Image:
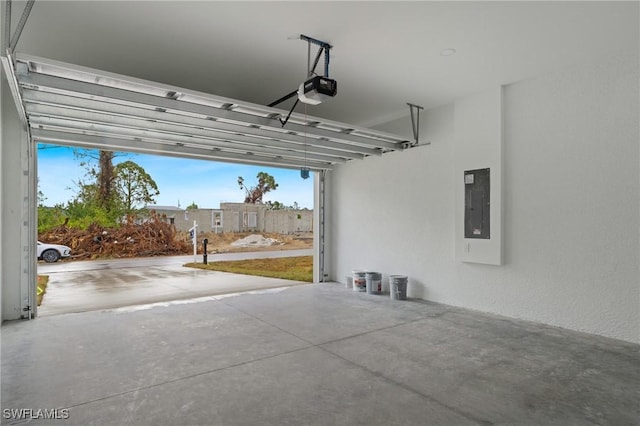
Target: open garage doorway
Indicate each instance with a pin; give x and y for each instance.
(68, 105)
(131, 248)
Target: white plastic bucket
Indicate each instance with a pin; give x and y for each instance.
(348, 282)
(398, 287)
(374, 282)
(359, 281)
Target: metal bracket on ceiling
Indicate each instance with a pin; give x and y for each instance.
(414, 110)
(10, 43)
(324, 47)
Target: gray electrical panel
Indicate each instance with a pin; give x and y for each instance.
(476, 204)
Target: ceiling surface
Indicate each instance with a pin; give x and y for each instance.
(385, 54)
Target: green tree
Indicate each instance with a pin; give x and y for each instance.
(50, 217)
(86, 207)
(81, 214)
(192, 206)
(276, 205)
(266, 183)
(134, 187)
(131, 186)
(106, 178)
(41, 197)
(104, 195)
(101, 177)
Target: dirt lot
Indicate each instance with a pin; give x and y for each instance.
(221, 243)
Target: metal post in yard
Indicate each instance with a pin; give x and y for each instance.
(204, 254)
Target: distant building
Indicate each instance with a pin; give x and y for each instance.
(168, 212)
(238, 217)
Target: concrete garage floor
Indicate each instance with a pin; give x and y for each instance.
(314, 354)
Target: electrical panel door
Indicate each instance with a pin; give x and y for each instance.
(476, 204)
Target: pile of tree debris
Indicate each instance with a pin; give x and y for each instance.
(151, 238)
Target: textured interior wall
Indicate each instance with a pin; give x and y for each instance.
(478, 145)
(572, 176)
(394, 214)
(572, 206)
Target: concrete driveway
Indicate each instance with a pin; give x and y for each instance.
(105, 284)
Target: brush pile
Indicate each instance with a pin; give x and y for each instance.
(151, 238)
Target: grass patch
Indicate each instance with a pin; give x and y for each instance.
(43, 280)
(288, 268)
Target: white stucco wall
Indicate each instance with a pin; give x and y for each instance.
(478, 144)
(572, 206)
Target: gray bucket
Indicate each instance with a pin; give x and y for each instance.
(398, 287)
(359, 281)
(348, 282)
(374, 282)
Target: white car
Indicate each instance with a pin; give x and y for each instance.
(51, 253)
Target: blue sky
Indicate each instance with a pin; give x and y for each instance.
(206, 183)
